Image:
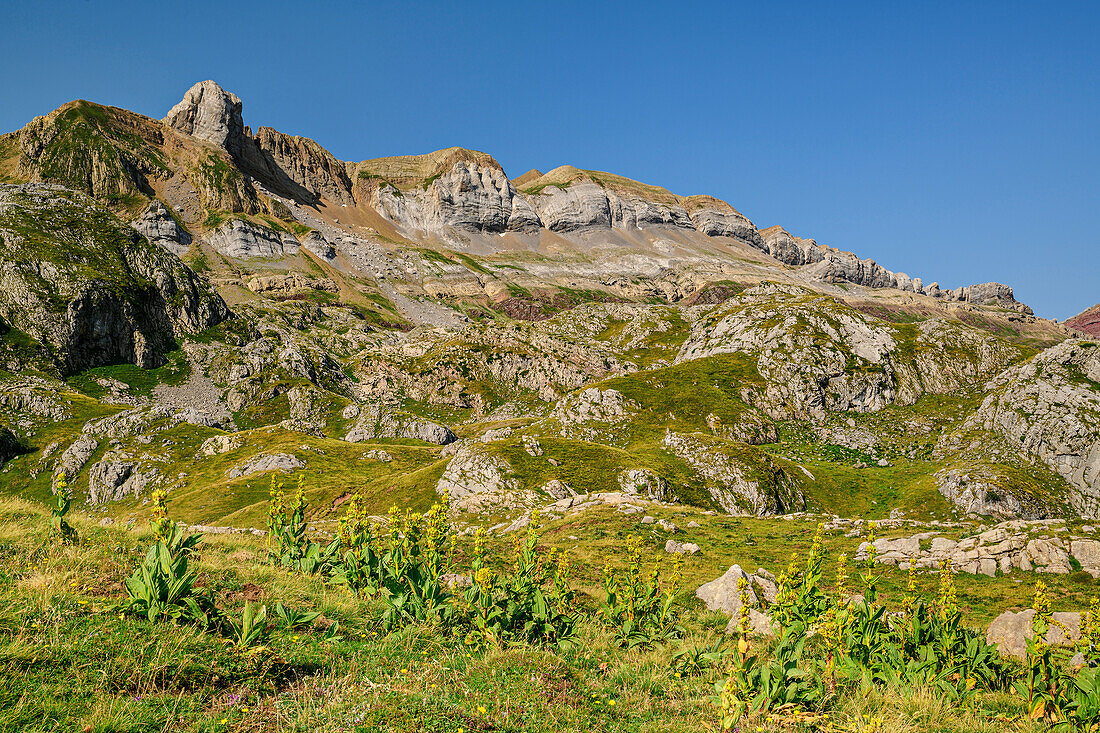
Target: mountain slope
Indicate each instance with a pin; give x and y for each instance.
(409, 325)
(1087, 321)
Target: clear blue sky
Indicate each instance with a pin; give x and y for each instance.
(958, 142)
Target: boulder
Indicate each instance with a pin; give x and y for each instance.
(1010, 631)
(760, 624)
(1087, 553)
(686, 548)
(721, 594)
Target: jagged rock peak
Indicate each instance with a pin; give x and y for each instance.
(210, 113)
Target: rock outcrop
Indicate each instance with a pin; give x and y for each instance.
(813, 355)
(1050, 408)
(1009, 546)
(455, 187)
(478, 482)
(282, 462)
(978, 490)
(243, 240)
(209, 113)
(740, 479)
(121, 300)
(156, 224)
(375, 421)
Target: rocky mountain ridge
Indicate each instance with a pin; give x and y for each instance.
(418, 325)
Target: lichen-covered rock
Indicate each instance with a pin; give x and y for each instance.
(589, 413)
(114, 478)
(977, 490)
(740, 479)
(645, 483)
(1050, 408)
(75, 456)
(218, 444)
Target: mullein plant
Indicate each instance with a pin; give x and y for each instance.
(800, 598)
(357, 564)
(1081, 709)
(735, 692)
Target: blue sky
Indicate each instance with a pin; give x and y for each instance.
(954, 141)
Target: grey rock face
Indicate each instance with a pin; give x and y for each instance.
(209, 113)
(985, 294)
(283, 462)
(585, 414)
(468, 196)
(785, 247)
(129, 306)
(586, 205)
(242, 240)
(376, 421)
(716, 218)
(156, 224)
(1010, 631)
(1050, 408)
(318, 245)
(297, 167)
(75, 456)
